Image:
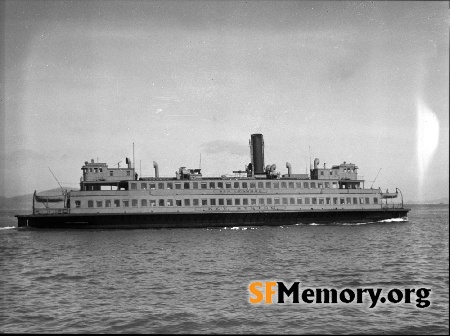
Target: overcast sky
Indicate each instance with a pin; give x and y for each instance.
(361, 82)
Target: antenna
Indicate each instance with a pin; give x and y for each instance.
(309, 157)
(133, 156)
(200, 165)
(375, 179)
(56, 179)
(118, 164)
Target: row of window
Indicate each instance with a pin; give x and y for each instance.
(116, 203)
(232, 185)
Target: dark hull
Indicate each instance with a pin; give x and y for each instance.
(199, 220)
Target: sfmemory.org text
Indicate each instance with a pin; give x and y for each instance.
(263, 292)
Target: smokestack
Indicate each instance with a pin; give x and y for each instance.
(257, 153)
(155, 165)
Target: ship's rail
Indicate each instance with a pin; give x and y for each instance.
(53, 211)
(392, 206)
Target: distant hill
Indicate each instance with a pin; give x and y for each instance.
(25, 202)
(443, 200)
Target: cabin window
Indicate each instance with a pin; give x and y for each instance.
(328, 200)
(305, 185)
(220, 185)
(186, 185)
(321, 200)
(116, 203)
(169, 202)
(260, 184)
(204, 185)
(261, 201)
(276, 201)
(252, 185)
(361, 200)
(276, 185)
(212, 185)
(335, 200)
(143, 185)
(237, 201)
(212, 201)
(133, 186)
(126, 203)
(178, 202)
(229, 201)
(283, 185)
(355, 200)
(161, 185)
(245, 201)
(194, 185)
(143, 202)
(95, 170)
(244, 185)
(221, 201)
(375, 200)
(228, 185)
(152, 203)
(349, 200)
(99, 204)
(111, 173)
(134, 203)
(187, 202)
(195, 201)
(313, 185)
(161, 202)
(90, 204)
(253, 201)
(77, 204)
(327, 184)
(320, 185)
(291, 185)
(292, 200)
(269, 201)
(268, 185)
(314, 200)
(177, 185)
(236, 185)
(90, 170)
(204, 201)
(298, 184)
(285, 200)
(299, 201)
(367, 200)
(169, 185)
(307, 201)
(152, 186)
(128, 173)
(335, 185)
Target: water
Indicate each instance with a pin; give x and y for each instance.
(196, 280)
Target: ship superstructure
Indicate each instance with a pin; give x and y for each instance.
(119, 198)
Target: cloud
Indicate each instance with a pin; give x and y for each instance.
(225, 146)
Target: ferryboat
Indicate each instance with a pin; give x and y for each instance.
(117, 198)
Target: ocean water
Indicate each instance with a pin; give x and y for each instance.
(197, 280)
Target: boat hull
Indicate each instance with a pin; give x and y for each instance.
(202, 220)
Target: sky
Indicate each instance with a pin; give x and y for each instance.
(187, 82)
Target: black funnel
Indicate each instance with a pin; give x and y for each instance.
(257, 153)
